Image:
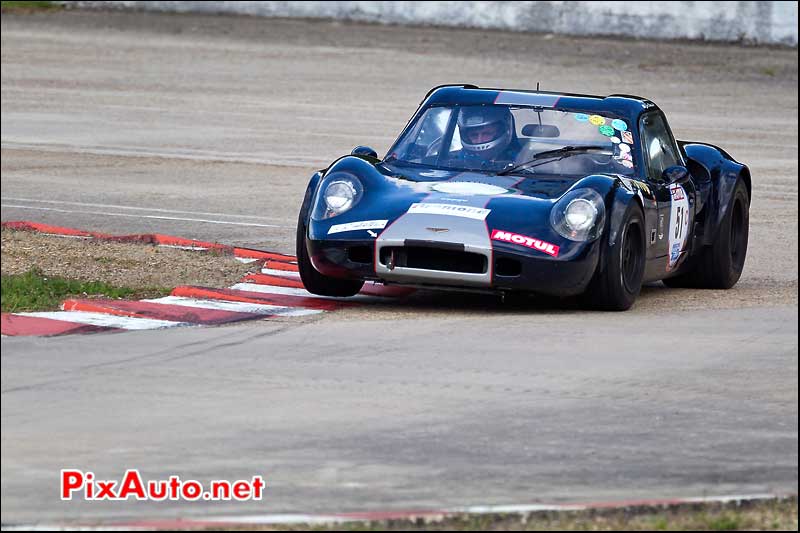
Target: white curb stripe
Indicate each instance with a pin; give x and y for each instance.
(289, 274)
(102, 319)
(290, 291)
(190, 248)
(238, 307)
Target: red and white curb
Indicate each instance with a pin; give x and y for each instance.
(428, 516)
(275, 291)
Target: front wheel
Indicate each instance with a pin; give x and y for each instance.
(617, 284)
(314, 281)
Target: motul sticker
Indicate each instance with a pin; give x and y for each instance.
(362, 225)
(522, 240)
(477, 213)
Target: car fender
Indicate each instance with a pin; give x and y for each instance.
(617, 204)
(716, 174)
(311, 191)
(618, 197)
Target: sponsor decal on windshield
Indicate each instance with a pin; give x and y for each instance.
(620, 125)
(465, 211)
(597, 120)
(354, 226)
(523, 240)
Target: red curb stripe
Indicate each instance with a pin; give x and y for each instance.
(180, 241)
(275, 281)
(280, 265)
(151, 238)
(387, 515)
(233, 295)
(369, 289)
(46, 228)
(166, 240)
(20, 326)
(175, 313)
(258, 254)
(168, 525)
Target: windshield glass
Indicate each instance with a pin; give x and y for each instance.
(496, 137)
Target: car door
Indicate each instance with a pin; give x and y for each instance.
(675, 198)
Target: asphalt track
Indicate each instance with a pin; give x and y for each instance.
(208, 127)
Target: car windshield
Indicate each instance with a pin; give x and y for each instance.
(493, 138)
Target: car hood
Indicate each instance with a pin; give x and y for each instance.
(464, 203)
(473, 183)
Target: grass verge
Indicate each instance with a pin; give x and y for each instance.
(35, 291)
(133, 265)
(28, 6)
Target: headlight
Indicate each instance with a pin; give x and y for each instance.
(579, 215)
(339, 192)
(339, 196)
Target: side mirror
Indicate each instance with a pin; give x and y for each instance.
(364, 150)
(674, 174)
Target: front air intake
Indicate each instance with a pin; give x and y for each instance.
(431, 258)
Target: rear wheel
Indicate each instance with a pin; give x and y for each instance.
(616, 285)
(314, 281)
(720, 265)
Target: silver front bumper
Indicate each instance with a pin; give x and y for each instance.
(430, 231)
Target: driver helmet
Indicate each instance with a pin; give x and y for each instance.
(485, 130)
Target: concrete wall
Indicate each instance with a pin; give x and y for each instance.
(755, 22)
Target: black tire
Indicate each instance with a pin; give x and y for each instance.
(720, 265)
(314, 281)
(616, 285)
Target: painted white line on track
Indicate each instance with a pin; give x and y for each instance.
(238, 307)
(289, 274)
(157, 217)
(134, 208)
(110, 321)
(192, 155)
(291, 291)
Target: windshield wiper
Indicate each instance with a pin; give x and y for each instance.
(560, 153)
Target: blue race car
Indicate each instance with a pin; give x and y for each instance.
(506, 190)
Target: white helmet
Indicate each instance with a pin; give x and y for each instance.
(474, 119)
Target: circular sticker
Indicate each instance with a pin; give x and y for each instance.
(627, 156)
(582, 117)
(597, 120)
(626, 163)
(608, 131)
(624, 147)
(614, 140)
(619, 124)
